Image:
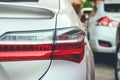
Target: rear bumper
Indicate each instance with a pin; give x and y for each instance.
(97, 48)
(32, 70)
(64, 70)
(106, 34)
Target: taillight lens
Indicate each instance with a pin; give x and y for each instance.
(40, 35)
(70, 51)
(72, 35)
(105, 21)
(70, 48)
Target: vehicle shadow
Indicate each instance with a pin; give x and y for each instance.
(104, 58)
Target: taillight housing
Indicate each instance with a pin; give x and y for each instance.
(70, 51)
(106, 21)
(69, 46)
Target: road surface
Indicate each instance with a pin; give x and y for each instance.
(104, 67)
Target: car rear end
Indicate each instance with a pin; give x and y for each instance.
(106, 22)
(37, 44)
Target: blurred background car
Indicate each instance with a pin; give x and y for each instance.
(43, 40)
(103, 25)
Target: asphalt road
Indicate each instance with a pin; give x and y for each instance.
(104, 66)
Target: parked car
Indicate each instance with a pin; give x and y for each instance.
(43, 40)
(102, 27)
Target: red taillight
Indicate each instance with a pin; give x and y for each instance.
(104, 21)
(64, 51)
(72, 52)
(104, 43)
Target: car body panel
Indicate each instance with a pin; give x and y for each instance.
(36, 68)
(100, 32)
(64, 19)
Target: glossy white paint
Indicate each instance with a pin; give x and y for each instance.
(33, 70)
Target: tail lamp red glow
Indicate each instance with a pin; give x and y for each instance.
(71, 51)
(104, 21)
(64, 51)
(104, 43)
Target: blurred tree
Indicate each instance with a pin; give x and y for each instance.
(87, 3)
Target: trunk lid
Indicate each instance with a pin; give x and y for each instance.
(28, 16)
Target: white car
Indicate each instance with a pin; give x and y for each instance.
(43, 40)
(102, 27)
